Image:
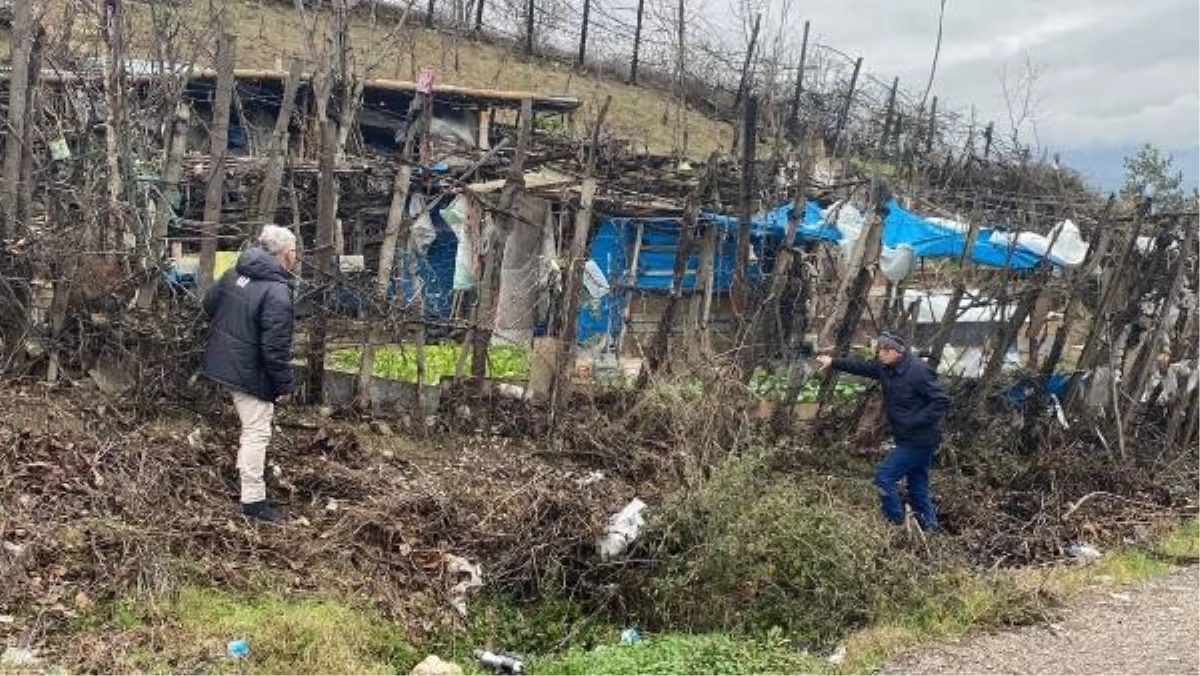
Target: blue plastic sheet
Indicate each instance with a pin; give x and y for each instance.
(656, 259)
(604, 314)
(435, 268)
(1054, 384)
(773, 224)
(931, 240)
(614, 241)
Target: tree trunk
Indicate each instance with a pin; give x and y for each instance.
(561, 388)
(113, 59)
(510, 197)
(166, 203)
(18, 93)
(219, 147)
(322, 253)
(278, 148)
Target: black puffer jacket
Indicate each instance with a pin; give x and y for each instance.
(250, 337)
(914, 401)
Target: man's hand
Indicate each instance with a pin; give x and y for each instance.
(283, 400)
(825, 361)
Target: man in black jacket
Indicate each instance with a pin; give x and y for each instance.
(250, 351)
(915, 404)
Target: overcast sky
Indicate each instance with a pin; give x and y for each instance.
(1113, 73)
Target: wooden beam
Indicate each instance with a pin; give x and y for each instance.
(1161, 327)
(741, 282)
(744, 83)
(844, 113)
(794, 117)
(657, 354)
(484, 313)
(1088, 358)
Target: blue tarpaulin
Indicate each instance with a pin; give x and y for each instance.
(933, 240)
(773, 224)
(1054, 384)
(603, 315)
(660, 241)
(615, 237)
(435, 268)
(614, 241)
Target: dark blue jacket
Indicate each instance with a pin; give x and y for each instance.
(914, 401)
(250, 335)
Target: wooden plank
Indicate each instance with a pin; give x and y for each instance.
(657, 353)
(1161, 327)
(741, 283)
(484, 313)
(794, 116)
(744, 83)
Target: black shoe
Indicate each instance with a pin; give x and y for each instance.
(261, 511)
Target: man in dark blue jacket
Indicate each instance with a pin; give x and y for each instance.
(915, 404)
(250, 351)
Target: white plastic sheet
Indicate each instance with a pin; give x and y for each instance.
(1069, 248)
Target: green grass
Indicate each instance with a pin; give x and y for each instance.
(686, 654)
(191, 632)
(399, 362)
(291, 636)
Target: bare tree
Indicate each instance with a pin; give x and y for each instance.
(1021, 98)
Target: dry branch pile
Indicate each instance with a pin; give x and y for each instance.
(98, 503)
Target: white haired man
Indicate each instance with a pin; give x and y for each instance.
(249, 352)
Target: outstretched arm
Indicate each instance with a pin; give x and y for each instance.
(859, 367)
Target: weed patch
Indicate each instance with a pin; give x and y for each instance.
(771, 653)
(750, 552)
(191, 632)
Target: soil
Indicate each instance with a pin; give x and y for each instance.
(1148, 628)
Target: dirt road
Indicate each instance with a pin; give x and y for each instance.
(1148, 628)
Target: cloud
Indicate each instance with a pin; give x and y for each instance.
(1112, 72)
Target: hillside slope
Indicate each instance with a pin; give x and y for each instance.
(269, 33)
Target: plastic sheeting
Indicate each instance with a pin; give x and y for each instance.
(942, 238)
(906, 237)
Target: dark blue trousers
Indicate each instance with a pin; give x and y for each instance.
(912, 465)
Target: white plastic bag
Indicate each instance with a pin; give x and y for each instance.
(623, 528)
